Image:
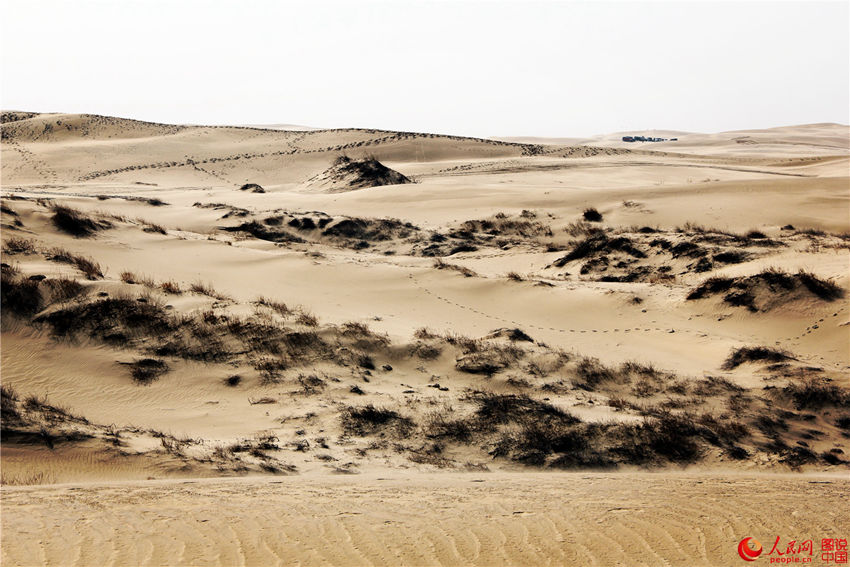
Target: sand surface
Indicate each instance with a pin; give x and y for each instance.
(472, 519)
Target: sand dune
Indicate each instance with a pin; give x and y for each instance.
(519, 306)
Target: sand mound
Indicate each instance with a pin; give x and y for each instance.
(347, 174)
(768, 289)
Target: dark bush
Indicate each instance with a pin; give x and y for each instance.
(598, 243)
(817, 393)
(146, 370)
(110, 319)
(63, 289)
(20, 296)
(257, 230)
(741, 355)
(592, 215)
(368, 420)
(591, 372)
(731, 257)
(710, 287)
(462, 248)
(9, 414)
(494, 409)
(824, 289)
(76, 223)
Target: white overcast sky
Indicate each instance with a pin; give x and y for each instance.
(470, 68)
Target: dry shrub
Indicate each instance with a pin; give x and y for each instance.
(171, 287)
(76, 223)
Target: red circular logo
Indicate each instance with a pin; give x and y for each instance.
(748, 553)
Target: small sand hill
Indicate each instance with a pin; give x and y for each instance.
(347, 174)
(31, 127)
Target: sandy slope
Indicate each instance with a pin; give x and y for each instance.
(86, 421)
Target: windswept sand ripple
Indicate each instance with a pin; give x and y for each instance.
(486, 519)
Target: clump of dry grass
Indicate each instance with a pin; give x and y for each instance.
(772, 282)
(27, 479)
(171, 287)
(87, 266)
(827, 290)
(151, 227)
(306, 318)
(18, 245)
(76, 223)
(591, 372)
(489, 358)
(20, 296)
(592, 215)
(206, 289)
(581, 228)
(63, 289)
(424, 333)
(466, 272)
(368, 420)
(425, 351)
(133, 278)
(817, 393)
(742, 355)
(146, 370)
(278, 306)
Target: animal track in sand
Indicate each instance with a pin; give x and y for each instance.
(539, 327)
(696, 332)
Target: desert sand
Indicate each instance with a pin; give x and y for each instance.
(280, 345)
